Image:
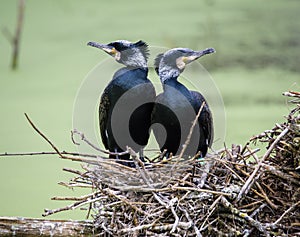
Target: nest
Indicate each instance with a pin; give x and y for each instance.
(234, 192)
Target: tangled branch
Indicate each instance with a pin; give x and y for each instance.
(233, 192)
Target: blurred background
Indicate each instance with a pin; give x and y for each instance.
(258, 56)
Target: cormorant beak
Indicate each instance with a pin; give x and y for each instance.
(197, 54)
(181, 62)
(106, 48)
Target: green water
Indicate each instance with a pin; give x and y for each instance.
(257, 58)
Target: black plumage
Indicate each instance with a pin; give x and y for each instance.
(176, 108)
(127, 101)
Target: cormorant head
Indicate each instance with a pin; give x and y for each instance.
(125, 52)
(173, 62)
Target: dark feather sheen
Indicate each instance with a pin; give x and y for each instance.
(123, 80)
(176, 100)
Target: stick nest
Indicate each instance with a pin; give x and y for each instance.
(234, 192)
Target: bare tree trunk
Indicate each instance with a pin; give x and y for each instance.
(18, 226)
(15, 39)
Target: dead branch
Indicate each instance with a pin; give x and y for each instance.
(72, 206)
(286, 212)
(19, 226)
(43, 136)
(188, 139)
(254, 176)
(164, 198)
(245, 216)
(15, 39)
(83, 138)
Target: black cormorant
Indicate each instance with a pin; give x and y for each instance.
(127, 101)
(176, 107)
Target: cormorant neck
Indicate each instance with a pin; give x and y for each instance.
(136, 64)
(172, 84)
(137, 67)
(136, 60)
(138, 72)
(168, 73)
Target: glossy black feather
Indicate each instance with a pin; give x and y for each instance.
(205, 120)
(176, 109)
(140, 88)
(127, 101)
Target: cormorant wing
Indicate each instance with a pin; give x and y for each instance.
(205, 119)
(103, 117)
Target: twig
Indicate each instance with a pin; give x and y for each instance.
(253, 177)
(137, 228)
(261, 207)
(43, 136)
(176, 222)
(152, 226)
(197, 231)
(201, 190)
(148, 181)
(251, 204)
(291, 94)
(141, 188)
(106, 230)
(67, 198)
(125, 200)
(245, 216)
(72, 206)
(70, 170)
(285, 213)
(211, 210)
(280, 174)
(188, 139)
(47, 153)
(162, 154)
(75, 185)
(201, 182)
(140, 167)
(145, 179)
(82, 198)
(265, 196)
(83, 138)
(209, 225)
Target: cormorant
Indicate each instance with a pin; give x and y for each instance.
(127, 101)
(176, 107)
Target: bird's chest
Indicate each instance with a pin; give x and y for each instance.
(132, 91)
(175, 107)
(175, 100)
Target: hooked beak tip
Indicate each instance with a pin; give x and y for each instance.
(98, 45)
(93, 44)
(209, 51)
